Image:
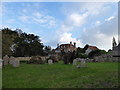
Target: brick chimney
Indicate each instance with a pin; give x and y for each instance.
(74, 44)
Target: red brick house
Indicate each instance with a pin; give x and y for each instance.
(66, 47)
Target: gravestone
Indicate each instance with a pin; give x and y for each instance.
(5, 60)
(82, 63)
(11, 60)
(50, 61)
(74, 62)
(78, 66)
(15, 63)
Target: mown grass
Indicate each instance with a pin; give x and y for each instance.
(59, 75)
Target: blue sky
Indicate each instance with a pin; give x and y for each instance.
(62, 22)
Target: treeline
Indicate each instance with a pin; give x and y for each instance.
(18, 43)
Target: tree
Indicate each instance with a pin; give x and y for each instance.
(96, 53)
(85, 48)
(47, 50)
(17, 43)
(8, 36)
(28, 45)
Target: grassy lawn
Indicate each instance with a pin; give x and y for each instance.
(59, 75)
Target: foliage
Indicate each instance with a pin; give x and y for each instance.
(80, 53)
(28, 45)
(8, 36)
(47, 50)
(36, 60)
(96, 53)
(85, 48)
(17, 43)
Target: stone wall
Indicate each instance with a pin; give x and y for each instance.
(107, 58)
(28, 58)
(23, 58)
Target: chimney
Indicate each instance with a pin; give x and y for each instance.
(70, 43)
(74, 44)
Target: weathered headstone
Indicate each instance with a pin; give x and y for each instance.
(82, 63)
(11, 59)
(74, 62)
(15, 63)
(5, 60)
(50, 61)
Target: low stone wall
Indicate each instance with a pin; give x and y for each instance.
(106, 58)
(44, 58)
(86, 59)
(23, 58)
(28, 58)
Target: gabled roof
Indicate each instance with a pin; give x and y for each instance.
(93, 47)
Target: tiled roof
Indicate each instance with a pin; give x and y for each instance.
(93, 47)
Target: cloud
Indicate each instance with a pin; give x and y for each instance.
(77, 16)
(102, 35)
(110, 18)
(44, 20)
(69, 24)
(37, 14)
(92, 8)
(109, 27)
(63, 39)
(24, 18)
(67, 37)
(97, 22)
(76, 19)
(39, 19)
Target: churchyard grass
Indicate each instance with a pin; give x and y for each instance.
(59, 75)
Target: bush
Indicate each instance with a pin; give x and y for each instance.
(81, 55)
(36, 60)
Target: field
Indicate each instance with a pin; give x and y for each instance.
(59, 75)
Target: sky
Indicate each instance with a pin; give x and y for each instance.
(93, 23)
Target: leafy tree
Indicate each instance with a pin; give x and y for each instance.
(8, 37)
(80, 50)
(47, 50)
(85, 48)
(28, 45)
(96, 53)
(80, 53)
(17, 43)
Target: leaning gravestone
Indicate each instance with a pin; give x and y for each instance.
(50, 61)
(15, 63)
(5, 60)
(74, 62)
